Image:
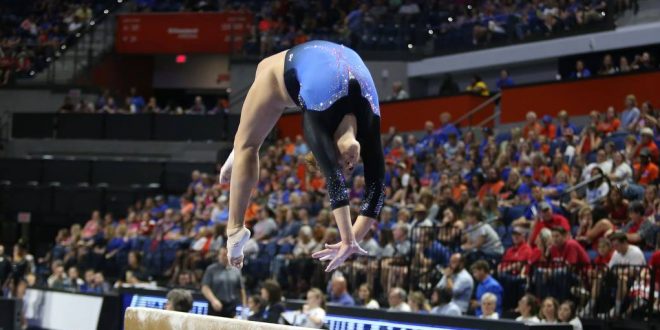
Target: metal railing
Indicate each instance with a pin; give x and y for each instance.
(468, 116)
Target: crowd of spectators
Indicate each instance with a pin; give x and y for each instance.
(571, 210)
(32, 33)
(641, 62)
(399, 24)
(134, 103)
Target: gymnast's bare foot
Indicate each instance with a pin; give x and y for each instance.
(236, 239)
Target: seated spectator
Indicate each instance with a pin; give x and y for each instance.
(548, 129)
(589, 140)
(485, 284)
(504, 80)
(625, 254)
(630, 114)
(645, 172)
(481, 240)
(478, 86)
(549, 311)
(418, 303)
(547, 219)
(255, 308)
(400, 247)
(446, 127)
(339, 293)
(179, 300)
(365, 298)
(516, 256)
(92, 226)
(271, 294)
(441, 299)
(639, 229)
(198, 107)
(565, 127)
(581, 71)
(567, 250)
(398, 93)
(590, 232)
(457, 279)
(528, 308)
(532, 124)
(73, 281)
(313, 311)
(610, 124)
(488, 305)
(621, 173)
(396, 298)
(57, 278)
(567, 314)
(607, 68)
(647, 142)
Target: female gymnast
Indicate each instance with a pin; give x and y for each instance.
(341, 120)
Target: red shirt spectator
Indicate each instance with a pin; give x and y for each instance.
(648, 144)
(603, 260)
(548, 129)
(548, 220)
(565, 249)
(517, 255)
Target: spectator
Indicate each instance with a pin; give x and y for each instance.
(590, 233)
(313, 311)
(532, 125)
(610, 124)
(256, 307)
(548, 129)
(354, 23)
(547, 219)
(639, 229)
(630, 114)
(457, 279)
(485, 284)
(504, 80)
(580, 71)
(198, 107)
(365, 298)
(400, 247)
(565, 249)
(645, 172)
(549, 310)
(73, 281)
(396, 298)
(647, 142)
(448, 86)
(488, 304)
(567, 314)
(339, 293)
(418, 303)
(441, 298)
(179, 300)
(624, 65)
(528, 308)
(607, 68)
(223, 287)
(92, 226)
(58, 276)
(517, 255)
(624, 253)
(271, 293)
(482, 242)
(398, 93)
(478, 86)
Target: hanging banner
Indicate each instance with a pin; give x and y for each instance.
(176, 33)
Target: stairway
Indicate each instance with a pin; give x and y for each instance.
(72, 62)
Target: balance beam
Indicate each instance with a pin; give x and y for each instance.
(140, 318)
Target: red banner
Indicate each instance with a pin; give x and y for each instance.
(172, 33)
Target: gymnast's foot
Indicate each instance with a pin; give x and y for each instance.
(236, 239)
(338, 253)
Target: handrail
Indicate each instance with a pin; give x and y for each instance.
(478, 108)
(490, 118)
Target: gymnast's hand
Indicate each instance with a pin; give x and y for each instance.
(338, 253)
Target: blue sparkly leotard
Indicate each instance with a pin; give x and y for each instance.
(329, 81)
(322, 71)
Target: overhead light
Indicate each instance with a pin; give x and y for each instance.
(451, 19)
(602, 13)
(32, 73)
(63, 47)
(106, 11)
(49, 59)
(78, 35)
(92, 23)
(410, 46)
(470, 7)
(120, 1)
(430, 31)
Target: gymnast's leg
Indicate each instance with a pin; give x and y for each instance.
(261, 110)
(319, 131)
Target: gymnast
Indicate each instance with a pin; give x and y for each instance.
(341, 122)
